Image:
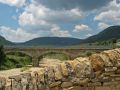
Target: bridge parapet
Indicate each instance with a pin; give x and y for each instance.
(97, 72)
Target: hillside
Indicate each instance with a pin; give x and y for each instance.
(112, 32)
(109, 33)
(3, 41)
(55, 41)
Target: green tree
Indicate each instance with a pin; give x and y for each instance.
(2, 56)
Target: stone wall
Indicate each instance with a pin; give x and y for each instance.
(97, 72)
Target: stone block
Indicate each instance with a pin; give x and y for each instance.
(66, 84)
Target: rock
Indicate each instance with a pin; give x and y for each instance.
(75, 81)
(117, 71)
(26, 81)
(106, 59)
(70, 88)
(51, 74)
(97, 62)
(66, 84)
(64, 69)
(82, 67)
(55, 88)
(40, 75)
(2, 83)
(71, 72)
(83, 82)
(110, 69)
(16, 83)
(54, 84)
(58, 73)
(114, 55)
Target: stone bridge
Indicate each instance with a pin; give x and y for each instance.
(35, 53)
(97, 72)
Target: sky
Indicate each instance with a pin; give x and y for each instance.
(23, 20)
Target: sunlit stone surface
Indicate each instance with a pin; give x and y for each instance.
(97, 72)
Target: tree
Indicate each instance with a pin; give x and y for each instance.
(2, 56)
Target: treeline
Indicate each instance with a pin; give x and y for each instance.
(106, 42)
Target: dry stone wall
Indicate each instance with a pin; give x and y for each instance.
(97, 72)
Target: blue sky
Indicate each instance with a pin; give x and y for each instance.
(22, 20)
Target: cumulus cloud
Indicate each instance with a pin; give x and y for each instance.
(69, 4)
(17, 3)
(102, 26)
(18, 35)
(44, 17)
(56, 31)
(38, 15)
(109, 14)
(81, 27)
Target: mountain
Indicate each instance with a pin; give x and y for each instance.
(112, 32)
(3, 41)
(55, 41)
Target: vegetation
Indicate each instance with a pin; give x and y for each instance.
(13, 60)
(55, 55)
(85, 54)
(17, 60)
(3, 41)
(107, 42)
(24, 68)
(2, 57)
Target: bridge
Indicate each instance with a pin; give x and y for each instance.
(100, 71)
(35, 53)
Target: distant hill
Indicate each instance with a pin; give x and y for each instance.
(55, 41)
(112, 32)
(3, 41)
(109, 33)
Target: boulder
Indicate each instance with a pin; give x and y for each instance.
(97, 63)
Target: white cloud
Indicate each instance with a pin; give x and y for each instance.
(81, 27)
(109, 14)
(38, 15)
(17, 3)
(56, 31)
(18, 35)
(102, 26)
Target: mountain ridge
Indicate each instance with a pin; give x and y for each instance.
(112, 32)
(3, 41)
